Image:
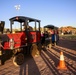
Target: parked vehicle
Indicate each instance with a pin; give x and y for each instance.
(19, 43)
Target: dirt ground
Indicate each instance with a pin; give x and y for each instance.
(46, 63)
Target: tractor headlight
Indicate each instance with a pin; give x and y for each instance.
(11, 44)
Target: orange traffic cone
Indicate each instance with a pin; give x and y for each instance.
(62, 65)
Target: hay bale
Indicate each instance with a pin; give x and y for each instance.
(34, 50)
(49, 45)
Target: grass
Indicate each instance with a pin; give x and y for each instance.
(68, 36)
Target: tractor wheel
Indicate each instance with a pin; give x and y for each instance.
(18, 59)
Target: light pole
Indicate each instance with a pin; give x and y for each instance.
(17, 7)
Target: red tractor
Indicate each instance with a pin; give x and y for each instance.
(22, 42)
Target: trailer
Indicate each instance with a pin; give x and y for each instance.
(51, 35)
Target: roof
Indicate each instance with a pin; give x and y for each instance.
(23, 18)
(49, 26)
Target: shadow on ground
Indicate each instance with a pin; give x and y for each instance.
(29, 67)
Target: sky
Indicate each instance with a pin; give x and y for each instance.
(56, 12)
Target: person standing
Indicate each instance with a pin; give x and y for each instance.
(53, 37)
